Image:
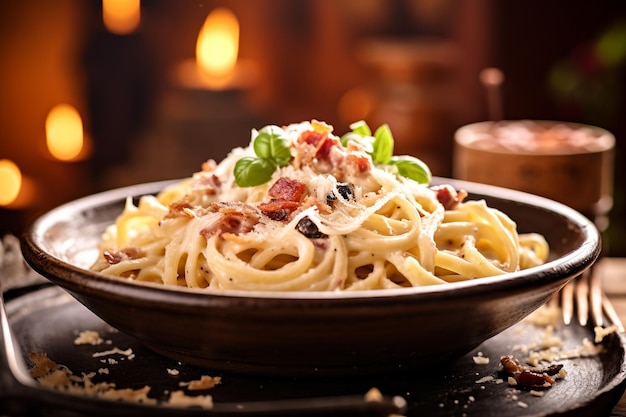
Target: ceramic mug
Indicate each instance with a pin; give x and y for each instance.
(567, 162)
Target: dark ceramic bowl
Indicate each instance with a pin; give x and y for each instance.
(307, 334)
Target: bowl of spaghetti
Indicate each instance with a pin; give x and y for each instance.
(311, 254)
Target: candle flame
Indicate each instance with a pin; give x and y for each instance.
(10, 181)
(64, 132)
(217, 47)
(121, 16)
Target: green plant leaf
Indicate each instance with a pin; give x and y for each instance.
(361, 128)
(383, 145)
(412, 168)
(270, 145)
(251, 171)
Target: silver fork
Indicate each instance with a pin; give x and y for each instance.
(584, 296)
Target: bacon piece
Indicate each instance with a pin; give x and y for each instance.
(528, 377)
(312, 137)
(322, 143)
(448, 196)
(209, 165)
(236, 218)
(287, 189)
(286, 196)
(117, 256)
(358, 163)
(209, 184)
(177, 209)
(278, 209)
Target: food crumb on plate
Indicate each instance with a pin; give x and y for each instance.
(484, 379)
(481, 360)
(602, 332)
(88, 337)
(180, 399)
(115, 351)
(205, 382)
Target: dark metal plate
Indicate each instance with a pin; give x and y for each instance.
(48, 320)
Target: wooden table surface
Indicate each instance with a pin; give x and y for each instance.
(613, 273)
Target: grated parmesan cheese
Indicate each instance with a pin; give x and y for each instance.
(88, 337)
(180, 399)
(602, 332)
(481, 360)
(205, 382)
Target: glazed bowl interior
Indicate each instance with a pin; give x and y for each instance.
(311, 333)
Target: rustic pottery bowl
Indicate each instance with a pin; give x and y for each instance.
(310, 334)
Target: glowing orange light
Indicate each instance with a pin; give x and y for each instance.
(217, 47)
(355, 104)
(64, 132)
(10, 181)
(121, 16)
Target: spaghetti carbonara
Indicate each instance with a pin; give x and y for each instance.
(301, 209)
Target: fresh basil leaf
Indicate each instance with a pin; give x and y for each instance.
(383, 145)
(263, 144)
(250, 171)
(365, 142)
(270, 145)
(361, 128)
(412, 168)
(281, 153)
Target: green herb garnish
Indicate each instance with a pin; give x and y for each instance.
(272, 151)
(412, 168)
(381, 150)
(383, 145)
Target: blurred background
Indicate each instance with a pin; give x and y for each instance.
(101, 94)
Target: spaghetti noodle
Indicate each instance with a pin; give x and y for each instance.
(301, 209)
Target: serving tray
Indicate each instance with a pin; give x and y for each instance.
(47, 320)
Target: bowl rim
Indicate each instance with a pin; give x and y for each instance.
(464, 138)
(76, 278)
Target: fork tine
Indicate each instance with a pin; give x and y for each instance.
(567, 301)
(582, 298)
(612, 315)
(584, 295)
(596, 297)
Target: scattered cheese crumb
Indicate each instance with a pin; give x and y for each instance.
(602, 332)
(481, 360)
(88, 337)
(484, 379)
(205, 382)
(173, 371)
(587, 349)
(547, 315)
(180, 399)
(522, 404)
(114, 351)
(536, 393)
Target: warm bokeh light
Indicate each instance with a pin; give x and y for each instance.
(10, 181)
(64, 132)
(356, 104)
(121, 16)
(217, 47)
